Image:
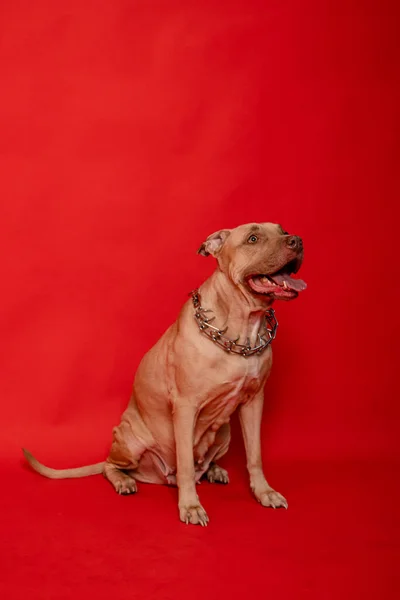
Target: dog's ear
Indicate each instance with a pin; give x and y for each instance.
(214, 243)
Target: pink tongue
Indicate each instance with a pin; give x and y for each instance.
(294, 284)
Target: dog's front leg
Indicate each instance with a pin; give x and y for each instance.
(190, 509)
(250, 415)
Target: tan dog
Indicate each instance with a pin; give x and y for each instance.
(188, 385)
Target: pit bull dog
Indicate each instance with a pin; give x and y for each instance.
(213, 360)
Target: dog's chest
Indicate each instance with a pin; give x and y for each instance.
(238, 384)
(250, 377)
(239, 380)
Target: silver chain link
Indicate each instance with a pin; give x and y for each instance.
(217, 335)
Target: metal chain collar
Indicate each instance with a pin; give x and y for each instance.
(217, 335)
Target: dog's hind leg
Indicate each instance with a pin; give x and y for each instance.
(215, 473)
(122, 482)
(126, 450)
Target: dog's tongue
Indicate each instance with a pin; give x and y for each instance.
(298, 285)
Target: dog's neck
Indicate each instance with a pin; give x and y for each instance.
(234, 307)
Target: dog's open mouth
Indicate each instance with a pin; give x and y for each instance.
(280, 284)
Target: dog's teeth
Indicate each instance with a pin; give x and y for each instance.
(285, 285)
(264, 279)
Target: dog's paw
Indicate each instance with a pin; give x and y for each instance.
(126, 486)
(216, 474)
(196, 515)
(272, 499)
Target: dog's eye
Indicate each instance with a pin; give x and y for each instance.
(252, 239)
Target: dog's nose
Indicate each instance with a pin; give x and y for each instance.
(295, 242)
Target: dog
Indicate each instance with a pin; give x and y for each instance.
(213, 360)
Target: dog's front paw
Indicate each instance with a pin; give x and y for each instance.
(271, 498)
(196, 515)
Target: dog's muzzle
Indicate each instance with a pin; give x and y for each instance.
(295, 243)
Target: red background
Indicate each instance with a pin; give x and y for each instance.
(129, 132)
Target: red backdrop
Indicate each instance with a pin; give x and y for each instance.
(130, 131)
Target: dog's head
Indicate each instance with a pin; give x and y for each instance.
(260, 258)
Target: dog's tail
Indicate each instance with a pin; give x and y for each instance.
(95, 469)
